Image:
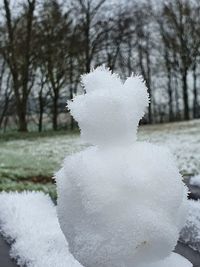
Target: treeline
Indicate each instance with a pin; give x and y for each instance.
(46, 45)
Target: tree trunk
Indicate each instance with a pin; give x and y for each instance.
(195, 103)
(185, 95)
(41, 110)
(55, 113)
(22, 119)
(71, 117)
(87, 48)
(171, 115)
(148, 82)
(178, 116)
(40, 122)
(169, 84)
(20, 74)
(147, 77)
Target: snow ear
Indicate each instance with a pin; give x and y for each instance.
(138, 93)
(100, 79)
(77, 107)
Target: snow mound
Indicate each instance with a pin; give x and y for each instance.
(190, 234)
(28, 220)
(120, 202)
(195, 180)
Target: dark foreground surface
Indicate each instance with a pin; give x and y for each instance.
(181, 249)
(188, 253)
(194, 191)
(5, 260)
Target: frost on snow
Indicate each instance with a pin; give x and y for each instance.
(120, 202)
(195, 180)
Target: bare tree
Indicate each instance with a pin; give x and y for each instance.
(144, 45)
(195, 33)
(118, 34)
(18, 54)
(5, 91)
(178, 31)
(90, 24)
(55, 29)
(42, 96)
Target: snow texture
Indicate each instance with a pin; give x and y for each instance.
(29, 221)
(190, 234)
(195, 180)
(120, 202)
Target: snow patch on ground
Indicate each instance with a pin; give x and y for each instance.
(29, 222)
(183, 140)
(195, 180)
(190, 234)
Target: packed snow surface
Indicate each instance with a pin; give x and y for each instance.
(195, 180)
(120, 202)
(29, 221)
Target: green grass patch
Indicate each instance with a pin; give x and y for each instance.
(9, 185)
(15, 135)
(29, 160)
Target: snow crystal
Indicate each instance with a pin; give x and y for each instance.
(120, 202)
(29, 221)
(190, 234)
(195, 180)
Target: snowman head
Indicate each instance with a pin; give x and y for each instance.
(110, 110)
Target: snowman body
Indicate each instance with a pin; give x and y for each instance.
(120, 202)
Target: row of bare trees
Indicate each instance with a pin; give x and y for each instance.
(46, 45)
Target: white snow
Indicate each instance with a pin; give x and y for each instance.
(195, 180)
(183, 140)
(120, 202)
(190, 234)
(29, 222)
(174, 260)
(110, 110)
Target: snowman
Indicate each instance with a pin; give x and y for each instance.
(121, 202)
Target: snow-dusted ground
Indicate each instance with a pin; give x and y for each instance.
(35, 235)
(43, 155)
(33, 157)
(195, 180)
(190, 234)
(182, 138)
(28, 221)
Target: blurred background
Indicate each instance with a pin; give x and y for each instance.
(46, 45)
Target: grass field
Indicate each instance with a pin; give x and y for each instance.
(28, 161)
